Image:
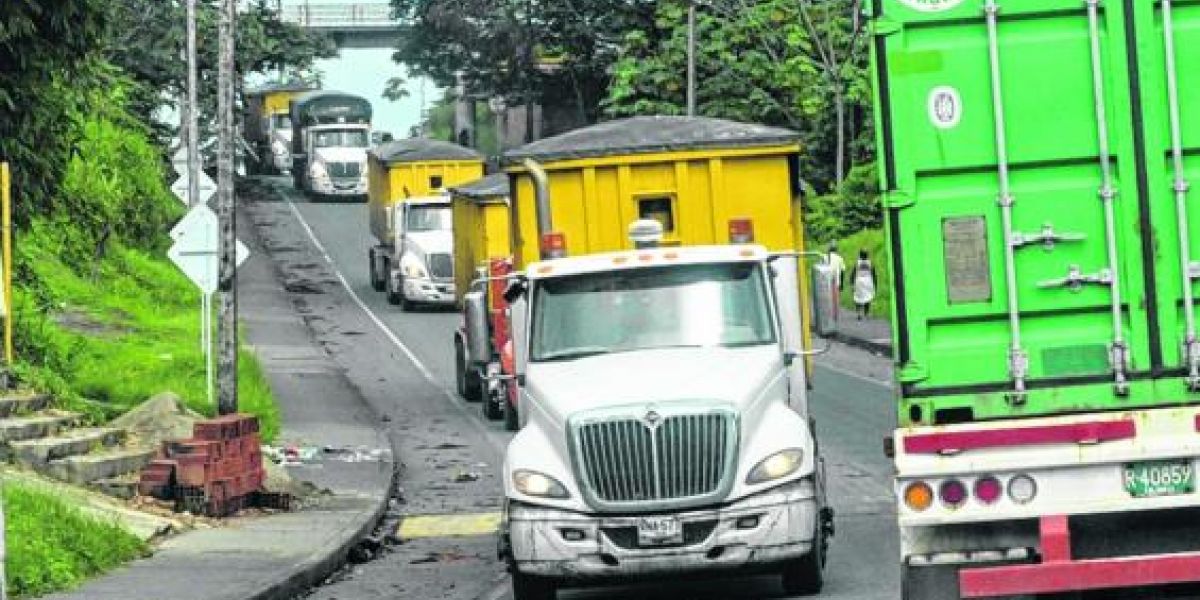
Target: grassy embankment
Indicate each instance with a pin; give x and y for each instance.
(52, 545)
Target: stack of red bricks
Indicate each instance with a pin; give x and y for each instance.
(216, 473)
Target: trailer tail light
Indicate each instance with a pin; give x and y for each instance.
(554, 245)
(741, 231)
(988, 490)
(953, 493)
(1022, 489)
(918, 496)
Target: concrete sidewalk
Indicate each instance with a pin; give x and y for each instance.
(874, 335)
(278, 556)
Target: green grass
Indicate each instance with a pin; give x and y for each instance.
(133, 332)
(53, 546)
(871, 240)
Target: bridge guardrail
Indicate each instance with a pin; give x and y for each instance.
(345, 15)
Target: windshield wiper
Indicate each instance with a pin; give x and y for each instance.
(573, 353)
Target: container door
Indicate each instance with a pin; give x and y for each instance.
(1169, 128)
(988, 107)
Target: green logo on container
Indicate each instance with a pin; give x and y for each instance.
(931, 5)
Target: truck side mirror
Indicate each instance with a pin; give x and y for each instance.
(475, 313)
(519, 318)
(515, 291)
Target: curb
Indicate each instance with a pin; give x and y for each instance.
(868, 345)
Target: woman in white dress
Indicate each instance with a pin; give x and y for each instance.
(864, 285)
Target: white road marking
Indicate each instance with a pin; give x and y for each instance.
(455, 401)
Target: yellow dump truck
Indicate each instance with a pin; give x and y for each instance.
(412, 257)
(267, 126)
(705, 181)
(482, 227)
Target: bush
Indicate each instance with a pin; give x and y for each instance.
(855, 207)
(53, 546)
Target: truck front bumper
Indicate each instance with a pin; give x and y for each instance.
(428, 291)
(759, 532)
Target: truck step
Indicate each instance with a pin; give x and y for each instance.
(86, 468)
(35, 453)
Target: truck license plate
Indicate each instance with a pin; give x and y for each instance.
(1159, 478)
(659, 531)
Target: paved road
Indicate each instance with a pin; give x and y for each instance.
(403, 363)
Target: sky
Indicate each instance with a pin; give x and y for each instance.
(365, 71)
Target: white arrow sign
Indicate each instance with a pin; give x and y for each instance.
(208, 188)
(197, 248)
(180, 161)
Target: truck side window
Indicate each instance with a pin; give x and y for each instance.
(435, 182)
(658, 208)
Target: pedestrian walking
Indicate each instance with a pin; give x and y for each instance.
(864, 285)
(837, 266)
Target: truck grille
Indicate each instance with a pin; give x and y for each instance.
(441, 266)
(343, 170)
(657, 461)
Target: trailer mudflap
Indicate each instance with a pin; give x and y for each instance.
(1058, 572)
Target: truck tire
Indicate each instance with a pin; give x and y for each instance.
(376, 280)
(929, 583)
(460, 369)
(528, 587)
(473, 385)
(492, 409)
(512, 417)
(805, 576)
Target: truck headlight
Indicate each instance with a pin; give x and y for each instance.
(413, 267)
(539, 485)
(777, 466)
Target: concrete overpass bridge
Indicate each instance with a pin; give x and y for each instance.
(350, 24)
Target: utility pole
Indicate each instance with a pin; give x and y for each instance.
(691, 59)
(227, 337)
(191, 115)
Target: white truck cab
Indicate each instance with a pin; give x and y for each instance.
(421, 271)
(338, 164)
(665, 424)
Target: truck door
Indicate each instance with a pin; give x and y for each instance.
(1168, 121)
(1012, 203)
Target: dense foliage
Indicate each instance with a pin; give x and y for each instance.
(796, 63)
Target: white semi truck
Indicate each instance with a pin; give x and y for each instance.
(331, 135)
(421, 270)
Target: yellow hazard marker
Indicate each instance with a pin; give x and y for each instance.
(436, 526)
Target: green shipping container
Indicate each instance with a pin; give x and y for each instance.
(974, 96)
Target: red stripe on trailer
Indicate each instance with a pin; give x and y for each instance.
(1074, 576)
(957, 441)
(1058, 573)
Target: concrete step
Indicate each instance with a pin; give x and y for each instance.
(13, 429)
(86, 468)
(22, 403)
(37, 452)
(122, 486)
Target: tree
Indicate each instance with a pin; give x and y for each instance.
(759, 61)
(557, 52)
(147, 37)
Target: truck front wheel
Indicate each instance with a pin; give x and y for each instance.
(805, 576)
(376, 278)
(528, 587)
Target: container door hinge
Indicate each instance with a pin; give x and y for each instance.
(1076, 279)
(1018, 368)
(1047, 237)
(1192, 351)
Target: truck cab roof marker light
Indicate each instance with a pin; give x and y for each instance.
(741, 231)
(554, 245)
(1074, 433)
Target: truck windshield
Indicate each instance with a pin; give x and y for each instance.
(341, 138)
(428, 218)
(642, 309)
